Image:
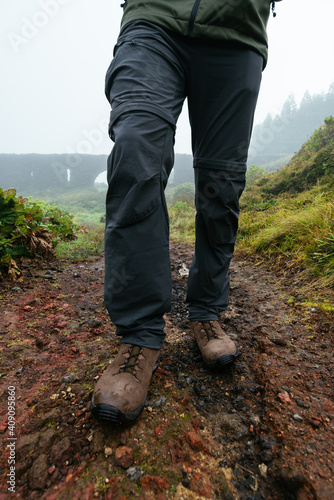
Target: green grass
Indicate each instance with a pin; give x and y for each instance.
(297, 231)
(89, 243)
(287, 217)
(87, 205)
(182, 222)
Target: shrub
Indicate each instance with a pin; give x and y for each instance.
(29, 228)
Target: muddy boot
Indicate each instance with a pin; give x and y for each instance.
(217, 349)
(120, 393)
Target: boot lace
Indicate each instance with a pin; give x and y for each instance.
(209, 330)
(131, 362)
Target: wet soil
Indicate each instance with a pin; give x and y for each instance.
(263, 429)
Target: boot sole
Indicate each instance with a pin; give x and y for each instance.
(222, 362)
(111, 415)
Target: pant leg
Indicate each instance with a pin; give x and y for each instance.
(146, 90)
(221, 130)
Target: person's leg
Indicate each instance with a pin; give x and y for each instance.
(137, 267)
(145, 87)
(221, 130)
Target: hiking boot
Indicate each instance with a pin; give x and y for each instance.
(217, 349)
(120, 393)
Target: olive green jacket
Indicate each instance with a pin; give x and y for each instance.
(237, 21)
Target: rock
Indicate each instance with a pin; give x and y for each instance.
(277, 339)
(98, 442)
(266, 456)
(46, 439)
(233, 424)
(157, 402)
(60, 452)
(124, 457)
(194, 441)
(316, 421)
(26, 444)
(297, 417)
(284, 397)
(263, 470)
(72, 377)
(265, 345)
(322, 474)
(21, 467)
(38, 474)
(51, 416)
(93, 322)
(134, 473)
(302, 403)
(148, 482)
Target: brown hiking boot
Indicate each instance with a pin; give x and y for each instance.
(217, 349)
(121, 391)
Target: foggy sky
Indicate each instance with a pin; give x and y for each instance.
(54, 55)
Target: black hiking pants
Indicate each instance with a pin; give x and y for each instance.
(150, 76)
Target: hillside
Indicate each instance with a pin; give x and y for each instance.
(287, 216)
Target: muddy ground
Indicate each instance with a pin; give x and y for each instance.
(261, 430)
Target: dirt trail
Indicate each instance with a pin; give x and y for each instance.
(261, 430)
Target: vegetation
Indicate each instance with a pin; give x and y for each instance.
(183, 192)
(288, 216)
(29, 228)
(253, 174)
(89, 243)
(182, 222)
(87, 205)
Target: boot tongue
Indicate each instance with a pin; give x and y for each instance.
(132, 361)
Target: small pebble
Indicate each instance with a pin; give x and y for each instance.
(263, 470)
(297, 417)
(134, 473)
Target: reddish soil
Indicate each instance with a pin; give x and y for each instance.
(261, 430)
